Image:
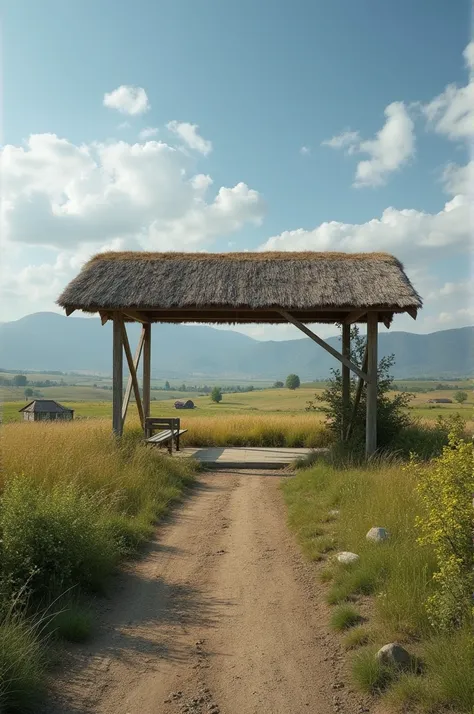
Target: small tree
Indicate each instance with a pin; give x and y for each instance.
(28, 392)
(278, 385)
(391, 415)
(167, 385)
(460, 397)
(293, 381)
(19, 380)
(216, 395)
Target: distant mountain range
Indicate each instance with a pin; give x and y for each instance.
(49, 341)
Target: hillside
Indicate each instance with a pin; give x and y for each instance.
(49, 341)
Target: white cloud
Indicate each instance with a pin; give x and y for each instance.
(468, 55)
(190, 135)
(148, 132)
(392, 147)
(305, 150)
(459, 179)
(405, 232)
(127, 100)
(451, 113)
(456, 289)
(342, 141)
(63, 196)
(461, 290)
(456, 318)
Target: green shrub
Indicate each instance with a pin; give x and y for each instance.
(448, 680)
(449, 661)
(446, 489)
(344, 617)
(391, 410)
(370, 675)
(72, 623)
(53, 540)
(357, 637)
(22, 667)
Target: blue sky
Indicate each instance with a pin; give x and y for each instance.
(260, 81)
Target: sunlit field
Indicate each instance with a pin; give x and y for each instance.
(282, 402)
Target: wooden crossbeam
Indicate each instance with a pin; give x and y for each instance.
(345, 361)
(354, 316)
(132, 380)
(104, 317)
(413, 312)
(136, 315)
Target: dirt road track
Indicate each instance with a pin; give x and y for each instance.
(220, 615)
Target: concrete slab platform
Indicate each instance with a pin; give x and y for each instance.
(245, 458)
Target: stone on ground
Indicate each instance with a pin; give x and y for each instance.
(377, 534)
(394, 654)
(347, 558)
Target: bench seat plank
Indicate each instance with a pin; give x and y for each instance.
(165, 435)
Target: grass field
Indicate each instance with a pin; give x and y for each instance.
(267, 418)
(73, 502)
(383, 596)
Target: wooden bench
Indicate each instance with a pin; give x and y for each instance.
(169, 431)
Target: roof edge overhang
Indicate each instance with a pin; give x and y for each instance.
(232, 315)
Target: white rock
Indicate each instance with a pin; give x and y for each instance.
(334, 512)
(347, 558)
(377, 534)
(394, 654)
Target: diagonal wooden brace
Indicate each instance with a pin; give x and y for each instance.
(132, 380)
(344, 360)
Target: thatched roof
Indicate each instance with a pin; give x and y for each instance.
(241, 287)
(45, 405)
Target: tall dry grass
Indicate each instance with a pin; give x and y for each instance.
(73, 501)
(267, 430)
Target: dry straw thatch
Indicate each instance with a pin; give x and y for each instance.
(241, 285)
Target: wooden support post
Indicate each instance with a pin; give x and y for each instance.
(132, 380)
(117, 375)
(358, 394)
(346, 378)
(372, 364)
(146, 369)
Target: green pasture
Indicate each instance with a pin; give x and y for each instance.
(92, 402)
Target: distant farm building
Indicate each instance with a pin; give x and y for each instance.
(46, 410)
(189, 404)
(440, 401)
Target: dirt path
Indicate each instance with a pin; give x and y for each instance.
(220, 615)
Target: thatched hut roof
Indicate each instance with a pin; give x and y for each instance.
(241, 287)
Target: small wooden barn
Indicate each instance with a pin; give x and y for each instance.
(188, 404)
(244, 288)
(46, 410)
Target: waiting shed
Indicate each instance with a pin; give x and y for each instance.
(300, 288)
